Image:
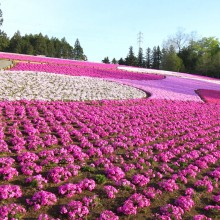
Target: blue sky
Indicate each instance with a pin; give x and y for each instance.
(110, 27)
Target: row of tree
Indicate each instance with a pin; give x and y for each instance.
(181, 53)
(38, 44)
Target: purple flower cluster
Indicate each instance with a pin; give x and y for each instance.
(11, 211)
(88, 184)
(108, 215)
(37, 181)
(46, 217)
(205, 183)
(10, 191)
(7, 172)
(59, 174)
(74, 210)
(110, 191)
(170, 211)
(184, 202)
(42, 198)
(115, 173)
(151, 192)
(140, 180)
(168, 185)
(69, 189)
(134, 202)
(30, 168)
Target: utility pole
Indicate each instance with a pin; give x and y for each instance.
(140, 39)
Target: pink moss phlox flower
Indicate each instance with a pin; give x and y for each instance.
(172, 211)
(50, 140)
(212, 207)
(37, 180)
(7, 173)
(73, 169)
(11, 211)
(6, 162)
(151, 192)
(215, 173)
(140, 200)
(104, 162)
(201, 164)
(128, 208)
(189, 192)
(107, 149)
(168, 185)
(201, 217)
(88, 184)
(185, 202)
(108, 215)
(27, 157)
(90, 201)
(58, 174)
(111, 191)
(125, 183)
(69, 189)
(10, 191)
(140, 180)
(216, 198)
(29, 168)
(128, 167)
(74, 210)
(46, 217)
(204, 183)
(42, 198)
(115, 173)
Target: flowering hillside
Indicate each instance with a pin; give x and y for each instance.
(119, 154)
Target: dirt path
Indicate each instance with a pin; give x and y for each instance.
(5, 63)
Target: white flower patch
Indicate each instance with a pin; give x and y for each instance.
(18, 85)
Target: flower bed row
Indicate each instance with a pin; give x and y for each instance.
(75, 70)
(48, 86)
(110, 159)
(42, 60)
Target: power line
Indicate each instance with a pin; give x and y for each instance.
(140, 39)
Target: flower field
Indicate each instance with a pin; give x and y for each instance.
(118, 154)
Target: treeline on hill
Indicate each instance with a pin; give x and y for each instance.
(180, 53)
(38, 44)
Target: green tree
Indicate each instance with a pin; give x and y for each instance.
(170, 60)
(158, 57)
(140, 58)
(66, 49)
(154, 58)
(4, 41)
(131, 59)
(114, 61)
(106, 60)
(148, 58)
(40, 45)
(57, 47)
(51, 48)
(189, 58)
(207, 50)
(15, 45)
(121, 61)
(216, 65)
(78, 53)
